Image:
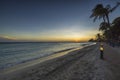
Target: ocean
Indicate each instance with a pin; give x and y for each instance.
(12, 54)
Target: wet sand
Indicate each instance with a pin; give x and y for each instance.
(79, 64)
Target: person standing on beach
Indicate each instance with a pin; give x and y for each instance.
(101, 51)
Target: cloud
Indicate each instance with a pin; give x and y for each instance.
(7, 39)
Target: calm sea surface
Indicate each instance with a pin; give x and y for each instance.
(15, 53)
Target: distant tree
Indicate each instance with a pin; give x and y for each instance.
(98, 37)
(91, 40)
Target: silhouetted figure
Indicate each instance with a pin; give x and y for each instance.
(101, 51)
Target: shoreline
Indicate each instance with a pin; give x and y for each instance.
(5, 66)
(27, 66)
(40, 60)
(37, 61)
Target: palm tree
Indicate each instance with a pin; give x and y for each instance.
(98, 12)
(103, 12)
(116, 21)
(98, 37)
(108, 10)
(116, 28)
(103, 26)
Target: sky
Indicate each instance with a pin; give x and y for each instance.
(50, 20)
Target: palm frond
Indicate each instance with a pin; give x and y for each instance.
(100, 17)
(108, 7)
(92, 15)
(95, 18)
(112, 9)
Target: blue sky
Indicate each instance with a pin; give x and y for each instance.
(49, 20)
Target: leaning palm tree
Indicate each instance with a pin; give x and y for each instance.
(108, 10)
(103, 12)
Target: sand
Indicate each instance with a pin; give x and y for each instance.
(79, 64)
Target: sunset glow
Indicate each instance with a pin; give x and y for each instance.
(48, 21)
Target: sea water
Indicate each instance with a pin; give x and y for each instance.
(16, 53)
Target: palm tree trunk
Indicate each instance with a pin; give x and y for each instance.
(107, 17)
(104, 18)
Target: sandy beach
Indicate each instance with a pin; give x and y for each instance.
(60, 40)
(79, 64)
